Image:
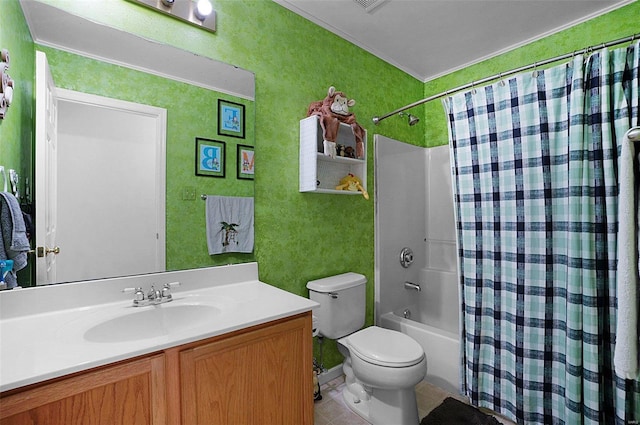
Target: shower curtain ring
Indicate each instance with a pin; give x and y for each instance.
(535, 70)
(501, 80)
(473, 89)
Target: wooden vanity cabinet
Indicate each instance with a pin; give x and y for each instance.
(263, 376)
(258, 375)
(128, 393)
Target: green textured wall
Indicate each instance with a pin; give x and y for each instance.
(16, 127)
(614, 25)
(300, 237)
(191, 113)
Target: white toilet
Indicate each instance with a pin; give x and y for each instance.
(381, 366)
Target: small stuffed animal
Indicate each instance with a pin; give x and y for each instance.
(333, 110)
(352, 184)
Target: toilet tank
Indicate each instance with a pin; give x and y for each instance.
(342, 300)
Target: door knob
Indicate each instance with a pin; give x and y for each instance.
(42, 251)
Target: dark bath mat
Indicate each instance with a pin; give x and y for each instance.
(454, 412)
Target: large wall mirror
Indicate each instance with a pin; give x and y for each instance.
(129, 113)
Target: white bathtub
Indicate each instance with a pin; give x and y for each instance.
(441, 347)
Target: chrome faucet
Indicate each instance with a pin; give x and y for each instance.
(153, 297)
(410, 285)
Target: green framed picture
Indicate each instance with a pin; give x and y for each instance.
(246, 162)
(210, 157)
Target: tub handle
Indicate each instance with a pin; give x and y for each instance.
(406, 257)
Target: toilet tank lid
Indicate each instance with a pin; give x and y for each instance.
(337, 282)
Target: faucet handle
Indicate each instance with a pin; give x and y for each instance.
(166, 290)
(139, 295)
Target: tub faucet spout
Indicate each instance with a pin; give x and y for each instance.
(410, 285)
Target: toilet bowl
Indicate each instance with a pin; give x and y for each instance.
(381, 366)
(381, 369)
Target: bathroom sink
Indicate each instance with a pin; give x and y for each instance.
(151, 322)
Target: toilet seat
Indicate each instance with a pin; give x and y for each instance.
(385, 347)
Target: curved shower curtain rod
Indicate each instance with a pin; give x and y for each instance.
(377, 119)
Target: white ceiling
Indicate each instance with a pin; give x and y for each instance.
(430, 38)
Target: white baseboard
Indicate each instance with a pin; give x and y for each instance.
(330, 374)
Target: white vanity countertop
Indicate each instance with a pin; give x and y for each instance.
(40, 346)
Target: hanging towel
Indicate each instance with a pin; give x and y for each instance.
(13, 236)
(229, 224)
(626, 351)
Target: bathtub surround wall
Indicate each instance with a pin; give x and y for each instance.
(400, 201)
(441, 238)
(415, 209)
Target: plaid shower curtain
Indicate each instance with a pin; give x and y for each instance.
(534, 165)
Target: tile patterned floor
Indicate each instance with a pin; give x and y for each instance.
(332, 410)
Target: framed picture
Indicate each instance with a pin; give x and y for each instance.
(246, 162)
(210, 157)
(230, 119)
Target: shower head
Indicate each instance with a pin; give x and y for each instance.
(412, 119)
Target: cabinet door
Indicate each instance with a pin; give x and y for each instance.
(128, 393)
(263, 376)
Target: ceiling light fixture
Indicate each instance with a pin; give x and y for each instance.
(196, 12)
(203, 9)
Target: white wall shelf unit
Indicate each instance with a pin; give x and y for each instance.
(320, 173)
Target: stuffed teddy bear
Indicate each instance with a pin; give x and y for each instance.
(352, 184)
(333, 110)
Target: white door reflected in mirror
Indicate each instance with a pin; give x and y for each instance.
(108, 194)
(45, 171)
